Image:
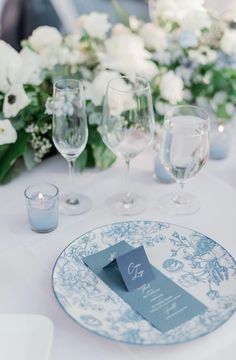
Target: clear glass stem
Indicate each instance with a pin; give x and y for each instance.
(180, 198)
(127, 198)
(72, 200)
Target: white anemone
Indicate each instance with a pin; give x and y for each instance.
(8, 133)
(15, 100)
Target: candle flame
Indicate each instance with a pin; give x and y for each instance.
(221, 128)
(40, 196)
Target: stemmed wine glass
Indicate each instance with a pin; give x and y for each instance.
(70, 135)
(184, 151)
(127, 129)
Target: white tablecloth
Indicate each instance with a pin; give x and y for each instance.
(27, 258)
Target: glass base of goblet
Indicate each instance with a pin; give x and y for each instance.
(178, 204)
(121, 204)
(75, 204)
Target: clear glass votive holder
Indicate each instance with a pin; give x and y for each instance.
(42, 206)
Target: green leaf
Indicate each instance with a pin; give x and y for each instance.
(13, 172)
(103, 156)
(221, 112)
(94, 136)
(28, 157)
(14, 151)
(90, 159)
(3, 149)
(121, 14)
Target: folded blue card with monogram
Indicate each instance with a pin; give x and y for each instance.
(127, 271)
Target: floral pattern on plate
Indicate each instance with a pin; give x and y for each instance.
(192, 260)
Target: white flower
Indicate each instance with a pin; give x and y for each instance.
(62, 104)
(188, 95)
(126, 53)
(154, 38)
(204, 55)
(31, 70)
(73, 41)
(163, 57)
(95, 24)
(135, 23)
(95, 91)
(162, 107)
(119, 104)
(10, 63)
(228, 42)
(8, 133)
(190, 15)
(48, 58)
(202, 101)
(45, 37)
(15, 100)
(171, 87)
(119, 29)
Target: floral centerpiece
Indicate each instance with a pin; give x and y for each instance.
(187, 53)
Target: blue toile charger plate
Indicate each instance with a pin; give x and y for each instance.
(192, 260)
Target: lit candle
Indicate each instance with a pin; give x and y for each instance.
(42, 204)
(219, 143)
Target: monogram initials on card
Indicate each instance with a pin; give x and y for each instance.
(135, 271)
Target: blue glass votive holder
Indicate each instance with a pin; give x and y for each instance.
(42, 206)
(219, 143)
(160, 172)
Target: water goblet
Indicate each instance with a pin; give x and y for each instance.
(184, 151)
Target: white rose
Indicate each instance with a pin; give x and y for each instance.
(30, 71)
(171, 87)
(73, 41)
(95, 24)
(126, 53)
(95, 90)
(196, 20)
(45, 37)
(119, 29)
(49, 58)
(228, 42)
(15, 100)
(190, 15)
(8, 133)
(10, 64)
(154, 38)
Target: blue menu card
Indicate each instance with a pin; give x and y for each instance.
(160, 301)
(134, 268)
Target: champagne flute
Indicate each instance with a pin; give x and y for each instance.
(127, 129)
(184, 151)
(70, 135)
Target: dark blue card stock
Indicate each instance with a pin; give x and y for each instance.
(134, 268)
(161, 301)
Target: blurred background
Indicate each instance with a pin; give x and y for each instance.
(20, 17)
